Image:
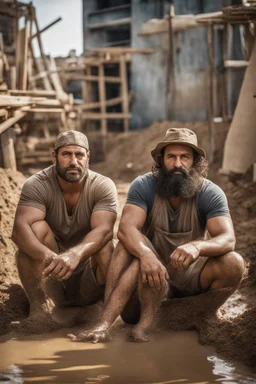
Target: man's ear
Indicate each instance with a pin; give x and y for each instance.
(88, 155)
(54, 157)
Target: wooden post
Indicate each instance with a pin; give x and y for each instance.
(211, 91)
(170, 84)
(224, 86)
(86, 92)
(124, 90)
(13, 77)
(7, 146)
(102, 97)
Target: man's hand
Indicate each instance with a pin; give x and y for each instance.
(153, 271)
(184, 255)
(61, 266)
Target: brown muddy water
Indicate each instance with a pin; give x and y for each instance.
(173, 357)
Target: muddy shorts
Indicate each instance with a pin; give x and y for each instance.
(79, 290)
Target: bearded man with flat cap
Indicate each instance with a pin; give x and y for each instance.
(176, 239)
(63, 229)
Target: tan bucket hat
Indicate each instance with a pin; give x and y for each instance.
(182, 136)
(71, 138)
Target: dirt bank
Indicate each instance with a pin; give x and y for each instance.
(129, 155)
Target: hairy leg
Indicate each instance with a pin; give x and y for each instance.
(150, 300)
(121, 282)
(30, 273)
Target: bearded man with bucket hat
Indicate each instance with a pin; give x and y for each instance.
(176, 239)
(63, 229)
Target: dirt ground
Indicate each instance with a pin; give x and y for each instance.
(233, 333)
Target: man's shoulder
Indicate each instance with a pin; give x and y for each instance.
(209, 187)
(43, 176)
(144, 181)
(96, 177)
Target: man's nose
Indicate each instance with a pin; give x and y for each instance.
(178, 162)
(73, 159)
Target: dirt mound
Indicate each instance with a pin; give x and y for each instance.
(13, 302)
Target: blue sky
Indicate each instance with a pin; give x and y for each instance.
(67, 34)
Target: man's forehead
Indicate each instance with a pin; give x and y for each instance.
(178, 148)
(72, 148)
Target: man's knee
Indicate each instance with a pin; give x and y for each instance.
(229, 270)
(103, 256)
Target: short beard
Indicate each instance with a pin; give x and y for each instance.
(62, 172)
(185, 185)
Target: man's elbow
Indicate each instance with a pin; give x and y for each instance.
(231, 243)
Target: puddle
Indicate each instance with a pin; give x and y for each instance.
(173, 357)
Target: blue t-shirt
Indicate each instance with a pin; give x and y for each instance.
(211, 201)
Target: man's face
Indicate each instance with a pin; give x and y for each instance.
(177, 157)
(177, 177)
(71, 163)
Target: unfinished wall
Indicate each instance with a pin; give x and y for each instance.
(189, 99)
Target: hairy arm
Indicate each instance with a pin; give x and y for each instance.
(102, 223)
(23, 235)
(129, 233)
(222, 241)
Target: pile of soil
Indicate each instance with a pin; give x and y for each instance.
(128, 155)
(13, 303)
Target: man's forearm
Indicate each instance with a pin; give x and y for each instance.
(216, 246)
(92, 243)
(134, 241)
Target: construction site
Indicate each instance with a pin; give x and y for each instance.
(146, 66)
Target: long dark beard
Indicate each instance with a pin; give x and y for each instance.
(186, 185)
(62, 172)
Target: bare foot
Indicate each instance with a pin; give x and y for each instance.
(99, 334)
(36, 323)
(138, 335)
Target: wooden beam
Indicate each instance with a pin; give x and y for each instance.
(45, 28)
(109, 116)
(97, 104)
(102, 97)
(11, 121)
(120, 50)
(124, 91)
(236, 64)
(44, 110)
(7, 146)
(112, 23)
(107, 79)
(210, 92)
(37, 92)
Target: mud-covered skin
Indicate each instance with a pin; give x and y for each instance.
(99, 334)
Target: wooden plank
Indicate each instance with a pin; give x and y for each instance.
(107, 79)
(102, 97)
(36, 92)
(55, 79)
(109, 116)
(124, 91)
(8, 152)
(236, 63)
(21, 57)
(11, 121)
(120, 50)
(97, 104)
(224, 83)
(45, 28)
(170, 84)
(112, 23)
(44, 110)
(210, 93)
